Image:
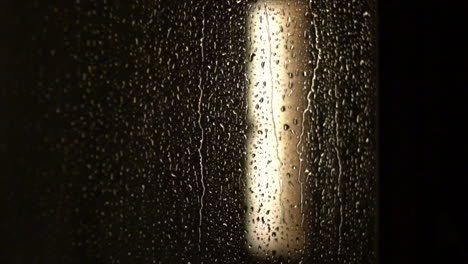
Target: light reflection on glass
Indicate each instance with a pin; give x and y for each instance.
(277, 98)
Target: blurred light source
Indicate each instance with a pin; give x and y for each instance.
(277, 99)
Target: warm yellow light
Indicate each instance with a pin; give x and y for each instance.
(277, 98)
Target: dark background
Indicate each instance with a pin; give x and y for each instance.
(422, 58)
(423, 211)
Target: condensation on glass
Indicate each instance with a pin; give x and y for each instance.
(191, 132)
(276, 102)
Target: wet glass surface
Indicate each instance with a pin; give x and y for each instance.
(189, 132)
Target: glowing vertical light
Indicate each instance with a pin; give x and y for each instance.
(277, 98)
